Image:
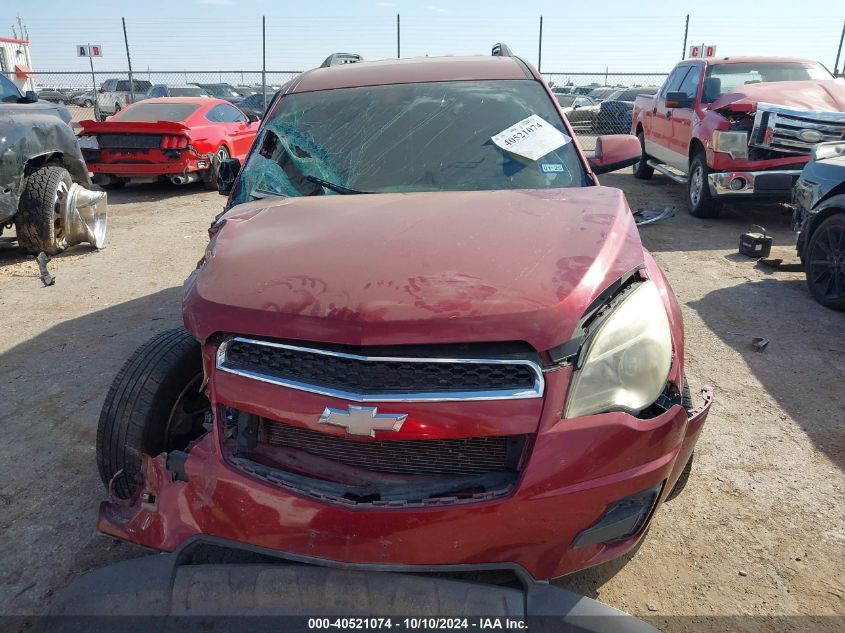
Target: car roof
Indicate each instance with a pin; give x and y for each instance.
(411, 70)
(752, 59)
(200, 101)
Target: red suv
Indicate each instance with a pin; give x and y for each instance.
(422, 334)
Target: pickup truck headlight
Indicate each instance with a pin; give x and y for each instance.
(627, 360)
(733, 143)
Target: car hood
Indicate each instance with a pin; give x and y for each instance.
(385, 269)
(825, 96)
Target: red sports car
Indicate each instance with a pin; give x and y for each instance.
(183, 139)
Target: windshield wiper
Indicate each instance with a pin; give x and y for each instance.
(331, 185)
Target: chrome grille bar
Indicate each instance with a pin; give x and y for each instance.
(783, 129)
(534, 390)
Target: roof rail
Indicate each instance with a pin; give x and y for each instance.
(341, 58)
(501, 50)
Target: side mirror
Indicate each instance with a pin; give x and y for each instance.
(614, 151)
(30, 96)
(678, 100)
(228, 172)
(252, 117)
(575, 106)
(101, 89)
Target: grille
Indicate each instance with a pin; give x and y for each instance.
(129, 141)
(467, 456)
(362, 378)
(779, 128)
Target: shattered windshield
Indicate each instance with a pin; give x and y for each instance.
(403, 138)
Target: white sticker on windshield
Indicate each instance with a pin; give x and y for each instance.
(531, 138)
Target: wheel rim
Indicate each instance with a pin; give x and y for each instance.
(58, 208)
(695, 185)
(187, 416)
(826, 269)
(222, 154)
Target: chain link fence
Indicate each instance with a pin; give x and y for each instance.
(595, 103)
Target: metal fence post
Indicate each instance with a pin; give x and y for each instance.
(94, 81)
(128, 61)
(839, 51)
(264, 61)
(540, 47)
(398, 41)
(686, 32)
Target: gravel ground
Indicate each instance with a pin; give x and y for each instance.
(759, 531)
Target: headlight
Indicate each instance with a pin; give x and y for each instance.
(832, 149)
(627, 360)
(733, 143)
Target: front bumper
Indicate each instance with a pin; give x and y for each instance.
(577, 471)
(776, 183)
(213, 585)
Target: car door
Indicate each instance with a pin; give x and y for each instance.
(681, 118)
(104, 96)
(658, 137)
(240, 131)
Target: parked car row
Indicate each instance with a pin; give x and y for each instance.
(603, 110)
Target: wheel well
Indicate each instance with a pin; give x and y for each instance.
(37, 162)
(639, 128)
(818, 218)
(695, 147)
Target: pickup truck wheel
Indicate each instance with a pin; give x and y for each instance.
(38, 222)
(154, 405)
(699, 201)
(641, 168)
(825, 263)
(210, 180)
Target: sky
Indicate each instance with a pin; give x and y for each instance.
(622, 36)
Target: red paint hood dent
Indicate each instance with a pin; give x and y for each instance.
(825, 96)
(414, 268)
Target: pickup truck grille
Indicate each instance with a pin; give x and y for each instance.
(794, 131)
(129, 141)
(385, 374)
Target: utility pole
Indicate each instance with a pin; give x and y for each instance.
(686, 32)
(540, 47)
(398, 42)
(264, 61)
(128, 61)
(839, 51)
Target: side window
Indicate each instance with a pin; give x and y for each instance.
(9, 92)
(157, 91)
(673, 81)
(689, 86)
(106, 86)
(228, 114)
(213, 115)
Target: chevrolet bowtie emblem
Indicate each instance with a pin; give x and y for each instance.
(363, 420)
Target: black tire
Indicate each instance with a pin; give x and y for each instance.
(87, 104)
(210, 178)
(641, 168)
(154, 405)
(824, 262)
(687, 404)
(699, 201)
(39, 218)
(683, 478)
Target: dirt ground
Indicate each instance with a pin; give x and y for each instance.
(758, 532)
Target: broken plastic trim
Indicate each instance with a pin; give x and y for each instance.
(596, 312)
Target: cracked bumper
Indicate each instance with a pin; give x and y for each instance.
(533, 528)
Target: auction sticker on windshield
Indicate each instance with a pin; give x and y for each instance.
(531, 138)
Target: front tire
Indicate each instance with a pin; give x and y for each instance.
(699, 201)
(154, 405)
(642, 169)
(824, 262)
(38, 222)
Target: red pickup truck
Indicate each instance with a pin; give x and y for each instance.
(737, 127)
